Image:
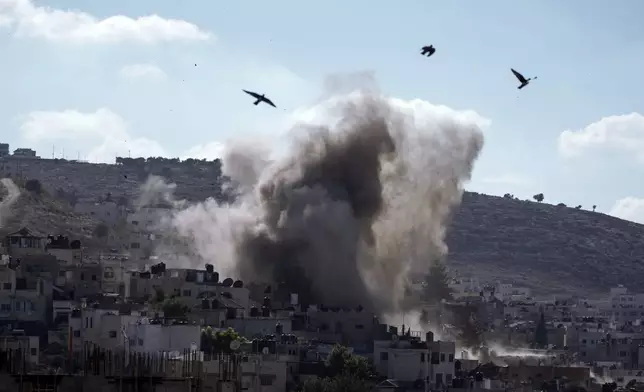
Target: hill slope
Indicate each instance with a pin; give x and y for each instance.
(546, 247)
(44, 215)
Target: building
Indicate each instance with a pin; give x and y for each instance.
(406, 358)
(4, 149)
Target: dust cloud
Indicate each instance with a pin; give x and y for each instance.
(358, 204)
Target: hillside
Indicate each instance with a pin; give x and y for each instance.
(45, 215)
(546, 247)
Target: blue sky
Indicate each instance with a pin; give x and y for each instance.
(64, 68)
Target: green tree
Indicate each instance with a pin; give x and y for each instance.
(342, 362)
(101, 230)
(538, 197)
(437, 283)
(174, 308)
(541, 333)
(342, 383)
(215, 342)
(33, 186)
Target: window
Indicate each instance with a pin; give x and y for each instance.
(5, 308)
(91, 322)
(94, 277)
(135, 223)
(34, 352)
(6, 286)
(442, 357)
(266, 380)
(112, 334)
(359, 326)
(384, 356)
(451, 357)
(422, 357)
(77, 333)
(135, 245)
(140, 342)
(82, 276)
(18, 307)
(187, 293)
(435, 358)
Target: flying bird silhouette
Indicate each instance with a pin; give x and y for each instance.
(522, 79)
(260, 98)
(428, 50)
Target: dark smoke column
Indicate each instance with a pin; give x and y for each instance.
(319, 208)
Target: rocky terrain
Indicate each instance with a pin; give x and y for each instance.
(546, 247)
(549, 248)
(44, 215)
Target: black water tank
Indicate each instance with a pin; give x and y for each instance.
(254, 312)
(393, 330)
(267, 290)
(210, 268)
(429, 337)
(205, 304)
(267, 302)
(266, 312)
(228, 282)
(238, 284)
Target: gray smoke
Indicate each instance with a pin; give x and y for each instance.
(360, 201)
(8, 196)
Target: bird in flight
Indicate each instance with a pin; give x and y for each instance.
(260, 98)
(522, 79)
(428, 50)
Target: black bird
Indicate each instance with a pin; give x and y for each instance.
(428, 50)
(260, 98)
(522, 79)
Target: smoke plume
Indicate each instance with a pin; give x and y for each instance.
(360, 201)
(8, 196)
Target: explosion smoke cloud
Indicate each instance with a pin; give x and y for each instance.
(360, 202)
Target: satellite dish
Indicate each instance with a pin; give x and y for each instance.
(234, 345)
(265, 351)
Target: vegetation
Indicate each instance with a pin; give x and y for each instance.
(101, 230)
(343, 383)
(174, 308)
(538, 197)
(33, 186)
(345, 372)
(437, 284)
(215, 342)
(541, 334)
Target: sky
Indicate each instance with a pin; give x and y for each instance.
(94, 79)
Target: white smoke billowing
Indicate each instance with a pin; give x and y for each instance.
(10, 196)
(359, 201)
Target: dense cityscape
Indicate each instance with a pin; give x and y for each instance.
(105, 305)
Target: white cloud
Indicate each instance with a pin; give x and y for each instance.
(77, 27)
(624, 133)
(142, 71)
(207, 151)
(508, 179)
(629, 208)
(103, 133)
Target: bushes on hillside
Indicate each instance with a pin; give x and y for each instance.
(33, 186)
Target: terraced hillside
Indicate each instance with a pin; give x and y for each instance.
(548, 248)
